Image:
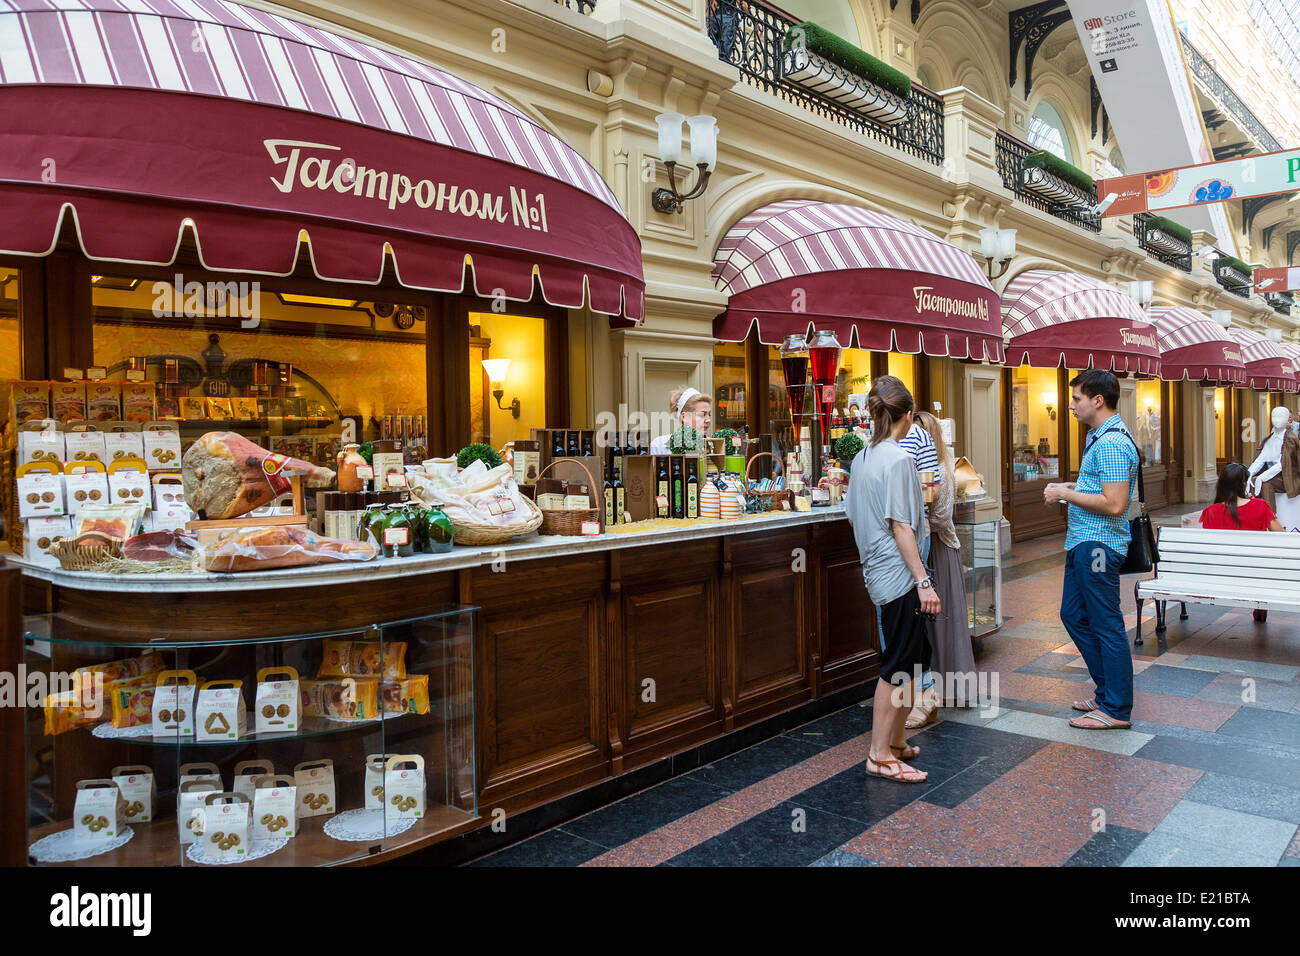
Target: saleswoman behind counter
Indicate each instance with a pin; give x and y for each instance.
(691, 409)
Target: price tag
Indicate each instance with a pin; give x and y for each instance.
(828, 393)
(785, 503)
(135, 375)
(365, 472)
(396, 480)
(591, 527)
(96, 373)
(74, 374)
(397, 536)
(661, 501)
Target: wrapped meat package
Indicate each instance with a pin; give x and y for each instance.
(284, 546)
(226, 475)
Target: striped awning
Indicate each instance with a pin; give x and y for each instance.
(1063, 318)
(135, 117)
(1268, 367)
(880, 283)
(1292, 351)
(1195, 347)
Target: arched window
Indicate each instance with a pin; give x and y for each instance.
(1116, 160)
(1047, 131)
(834, 15)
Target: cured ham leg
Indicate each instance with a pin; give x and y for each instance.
(226, 475)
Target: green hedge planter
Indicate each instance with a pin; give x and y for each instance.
(833, 67)
(1166, 235)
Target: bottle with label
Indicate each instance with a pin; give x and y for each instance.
(586, 445)
(438, 531)
(693, 489)
(572, 448)
(397, 536)
(679, 490)
(557, 446)
(620, 497)
(609, 501)
(661, 488)
(641, 445)
(370, 528)
(616, 456)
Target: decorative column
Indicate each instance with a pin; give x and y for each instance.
(970, 129)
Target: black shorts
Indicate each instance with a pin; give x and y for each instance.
(907, 639)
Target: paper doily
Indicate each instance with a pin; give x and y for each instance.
(195, 852)
(364, 720)
(61, 847)
(360, 826)
(107, 731)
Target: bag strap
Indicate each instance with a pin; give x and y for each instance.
(1142, 494)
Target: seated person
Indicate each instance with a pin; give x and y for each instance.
(1235, 510)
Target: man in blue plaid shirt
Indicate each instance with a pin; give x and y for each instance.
(1095, 547)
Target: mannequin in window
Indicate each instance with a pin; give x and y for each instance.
(1276, 471)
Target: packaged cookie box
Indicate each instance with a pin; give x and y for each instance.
(138, 404)
(29, 401)
(104, 401)
(69, 399)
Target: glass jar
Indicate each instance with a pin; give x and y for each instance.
(438, 532)
(348, 460)
(370, 527)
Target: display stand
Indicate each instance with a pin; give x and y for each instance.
(208, 531)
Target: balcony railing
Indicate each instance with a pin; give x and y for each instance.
(1221, 92)
(1011, 166)
(750, 35)
(1179, 260)
(582, 6)
(1232, 280)
(1280, 301)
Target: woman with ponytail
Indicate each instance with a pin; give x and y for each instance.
(885, 507)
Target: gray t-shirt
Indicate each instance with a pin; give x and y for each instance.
(884, 485)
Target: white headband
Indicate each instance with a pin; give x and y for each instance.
(686, 397)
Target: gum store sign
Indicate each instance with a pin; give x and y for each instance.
(396, 189)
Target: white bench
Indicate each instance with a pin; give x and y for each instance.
(1255, 569)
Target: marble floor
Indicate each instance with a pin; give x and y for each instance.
(1209, 774)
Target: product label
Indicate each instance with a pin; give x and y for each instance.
(397, 536)
(609, 506)
(591, 527)
(785, 503)
(135, 375)
(661, 502)
(96, 373)
(272, 466)
(692, 503)
(396, 480)
(365, 472)
(828, 393)
(74, 374)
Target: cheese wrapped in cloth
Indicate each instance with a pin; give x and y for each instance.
(225, 475)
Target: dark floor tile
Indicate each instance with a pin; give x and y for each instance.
(1288, 861)
(1176, 681)
(1052, 670)
(1248, 796)
(1270, 766)
(834, 729)
(757, 763)
(552, 848)
(637, 815)
(985, 771)
(844, 858)
(1110, 847)
(770, 839)
(868, 800)
(1267, 726)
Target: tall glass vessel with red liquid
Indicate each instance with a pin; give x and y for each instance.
(794, 366)
(824, 357)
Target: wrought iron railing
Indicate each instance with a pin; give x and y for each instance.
(1280, 301)
(750, 35)
(1011, 166)
(582, 6)
(1231, 279)
(1179, 260)
(1219, 90)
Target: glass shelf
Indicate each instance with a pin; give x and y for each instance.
(981, 558)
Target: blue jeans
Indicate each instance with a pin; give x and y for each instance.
(1091, 613)
(927, 678)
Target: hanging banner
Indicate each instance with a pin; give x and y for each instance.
(1280, 279)
(1264, 175)
(1133, 49)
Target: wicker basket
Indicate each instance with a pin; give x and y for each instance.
(757, 502)
(86, 551)
(482, 533)
(570, 522)
(9, 498)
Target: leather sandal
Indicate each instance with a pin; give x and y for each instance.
(1103, 720)
(904, 774)
(920, 716)
(906, 751)
(1087, 706)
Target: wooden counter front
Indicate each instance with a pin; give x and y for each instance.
(590, 661)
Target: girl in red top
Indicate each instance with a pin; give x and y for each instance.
(1234, 510)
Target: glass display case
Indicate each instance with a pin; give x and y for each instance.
(981, 559)
(295, 750)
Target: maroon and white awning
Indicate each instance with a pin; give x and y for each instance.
(1292, 351)
(880, 283)
(1196, 348)
(1268, 367)
(134, 117)
(1063, 318)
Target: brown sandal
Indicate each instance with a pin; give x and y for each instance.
(906, 752)
(898, 776)
(1087, 706)
(1100, 721)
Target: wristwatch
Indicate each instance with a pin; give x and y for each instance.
(927, 583)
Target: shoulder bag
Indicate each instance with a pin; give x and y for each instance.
(1142, 554)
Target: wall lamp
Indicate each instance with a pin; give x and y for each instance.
(1143, 291)
(704, 156)
(997, 244)
(1049, 401)
(1223, 317)
(496, 372)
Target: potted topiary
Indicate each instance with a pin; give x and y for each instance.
(686, 441)
(834, 68)
(847, 447)
(477, 452)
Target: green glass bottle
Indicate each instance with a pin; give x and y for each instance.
(438, 531)
(370, 528)
(398, 538)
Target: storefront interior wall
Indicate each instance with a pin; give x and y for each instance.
(522, 339)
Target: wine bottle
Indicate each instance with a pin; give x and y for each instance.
(641, 445)
(573, 445)
(616, 455)
(557, 448)
(679, 510)
(620, 497)
(661, 488)
(693, 490)
(586, 445)
(609, 501)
